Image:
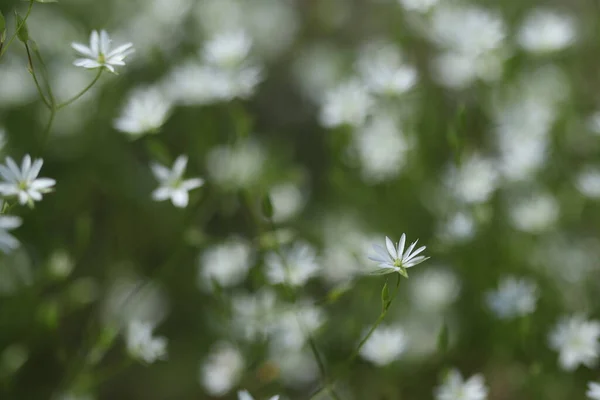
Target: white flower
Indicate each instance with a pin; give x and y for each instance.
(395, 259)
(383, 70)
(171, 183)
(254, 315)
(141, 344)
(99, 54)
(287, 200)
(227, 263)
(576, 340)
(534, 214)
(244, 395)
(294, 266)
(546, 31)
(513, 298)
(8, 242)
(292, 328)
(474, 180)
(593, 392)
(418, 5)
(434, 289)
(455, 388)
(385, 345)
(236, 167)
(222, 369)
(347, 104)
(458, 228)
(588, 182)
(146, 110)
(227, 50)
(24, 182)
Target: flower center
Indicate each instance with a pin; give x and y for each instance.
(101, 58)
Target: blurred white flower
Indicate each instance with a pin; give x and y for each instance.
(455, 388)
(434, 289)
(418, 5)
(99, 53)
(383, 71)
(459, 227)
(457, 71)
(222, 369)
(292, 329)
(238, 166)
(8, 242)
(381, 148)
(254, 315)
(513, 298)
(386, 344)
(287, 200)
(593, 123)
(546, 31)
(296, 368)
(145, 111)
(171, 183)
(75, 396)
(395, 259)
(347, 104)
(227, 263)
(24, 182)
(474, 180)
(535, 213)
(576, 340)
(228, 49)
(244, 395)
(317, 70)
(294, 266)
(588, 182)
(142, 345)
(593, 391)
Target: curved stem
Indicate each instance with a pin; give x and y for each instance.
(46, 133)
(78, 95)
(35, 79)
(45, 75)
(22, 24)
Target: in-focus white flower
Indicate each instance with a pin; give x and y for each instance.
(294, 266)
(546, 31)
(171, 183)
(348, 104)
(593, 391)
(99, 53)
(8, 242)
(474, 180)
(222, 369)
(227, 263)
(576, 340)
(513, 298)
(534, 214)
(395, 259)
(244, 395)
(145, 111)
(142, 345)
(588, 182)
(24, 182)
(455, 388)
(385, 345)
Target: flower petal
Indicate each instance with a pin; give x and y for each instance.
(390, 248)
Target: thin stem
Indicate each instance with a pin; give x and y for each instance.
(21, 25)
(46, 133)
(78, 95)
(35, 79)
(45, 75)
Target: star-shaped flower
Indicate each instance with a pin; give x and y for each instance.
(99, 53)
(24, 182)
(395, 259)
(172, 185)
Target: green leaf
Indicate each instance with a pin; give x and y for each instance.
(443, 339)
(385, 297)
(267, 206)
(23, 33)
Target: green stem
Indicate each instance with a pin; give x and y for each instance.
(45, 75)
(46, 132)
(78, 95)
(22, 24)
(35, 79)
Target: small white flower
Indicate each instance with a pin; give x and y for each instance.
(146, 110)
(546, 31)
(294, 267)
(244, 395)
(418, 5)
(576, 340)
(171, 183)
(474, 180)
(141, 344)
(24, 182)
(588, 182)
(385, 345)
(287, 201)
(222, 369)
(383, 70)
(238, 166)
(534, 214)
(254, 314)
(593, 391)
(8, 242)
(227, 50)
(459, 227)
(434, 290)
(347, 104)
(395, 259)
(99, 53)
(455, 388)
(513, 298)
(292, 328)
(227, 263)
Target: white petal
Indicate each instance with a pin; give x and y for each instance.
(179, 166)
(390, 248)
(83, 50)
(7, 174)
(94, 42)
(121, 49)
(104, 42)
(416, 252)
(162, 193)
(244, 395)
(14, 168)
(193, 183)
(180, 198)
(410, 248)
(42, 184)
(401, 244)
(87, 63)
(8, 222)
(23, 197)
(160, 172)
